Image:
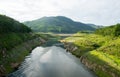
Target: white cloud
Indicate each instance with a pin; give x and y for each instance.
(105, 12)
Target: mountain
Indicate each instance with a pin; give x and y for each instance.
(95, 26)
(58, 24)
(8, 25)
(113, 30)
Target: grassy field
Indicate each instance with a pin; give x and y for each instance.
(101, 51)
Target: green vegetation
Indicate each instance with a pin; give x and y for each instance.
(113, 30)
(58, 24)
(16, 55)
(9, 40)
(16, 41)
(12, 33)
(8, 25)
(99, 51)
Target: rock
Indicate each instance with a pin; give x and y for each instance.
(75, 48)
(2, 71)
(15, 65)
(42, 41)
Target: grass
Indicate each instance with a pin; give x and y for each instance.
(101, 73)
(106, 58)
(109, 63)
(101, 50)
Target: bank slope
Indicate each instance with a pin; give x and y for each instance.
(16, 41)
(99, 51)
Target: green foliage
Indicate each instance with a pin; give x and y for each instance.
(57, 24)
(12, 33)
(15, 46)
(113, 30)
(111, 47)
(101, 51)
(106, 65)
(9, 40)
(88, 42)
(117, 30)
(17, 53)
(8, 25)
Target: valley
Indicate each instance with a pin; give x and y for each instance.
(82, 48)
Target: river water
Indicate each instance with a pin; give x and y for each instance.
(51, 61)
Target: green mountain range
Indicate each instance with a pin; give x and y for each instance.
(58, 24)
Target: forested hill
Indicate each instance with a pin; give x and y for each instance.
(16, 42)
(12, 33)
(8, 25)
(58, 24)
(113, 30)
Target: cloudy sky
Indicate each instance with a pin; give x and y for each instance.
(100, 12)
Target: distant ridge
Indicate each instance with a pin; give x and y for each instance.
(58, 24)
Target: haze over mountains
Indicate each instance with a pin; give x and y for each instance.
(58, 24)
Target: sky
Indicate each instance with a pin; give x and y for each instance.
(99, 12)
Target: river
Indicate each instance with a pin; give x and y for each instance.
(51, 60)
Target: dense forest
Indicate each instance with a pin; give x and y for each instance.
(12, 32)
(8, 25)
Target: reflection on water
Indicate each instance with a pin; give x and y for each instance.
(51, 62)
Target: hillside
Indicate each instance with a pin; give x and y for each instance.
(98, 51)
(113, 30)
(16, 41)
(58, 24)
(95, 26)
(12, 32)
(8, 25)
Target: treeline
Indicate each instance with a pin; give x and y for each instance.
(113, 30)
(8, 25)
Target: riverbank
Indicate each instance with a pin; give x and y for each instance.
(11, 58)
(98, 53)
